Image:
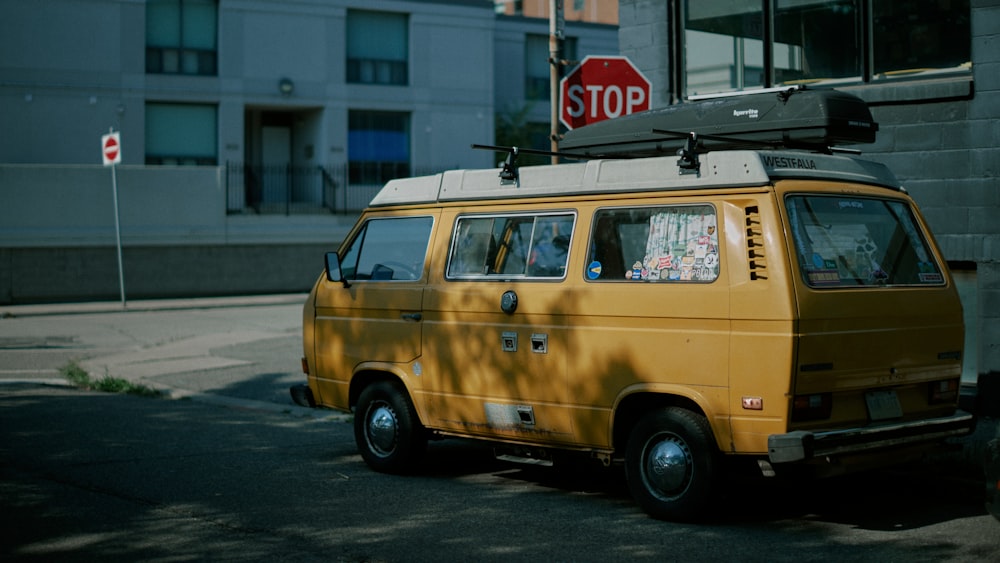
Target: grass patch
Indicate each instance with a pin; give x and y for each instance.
(107, 384)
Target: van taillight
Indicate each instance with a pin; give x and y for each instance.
(943, 392)
(812, 407)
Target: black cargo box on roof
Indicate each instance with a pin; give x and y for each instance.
(792, 118)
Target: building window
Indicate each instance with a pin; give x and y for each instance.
(752, 44)
(378, 146)
(377, 48)
(181, 134)
(181, 37)
(536, 64)
(911, 36)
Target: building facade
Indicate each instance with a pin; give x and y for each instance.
(252, 130)
(593, 11)
(929, 70)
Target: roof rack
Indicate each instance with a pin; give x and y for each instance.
(793, 118)
(508, 169)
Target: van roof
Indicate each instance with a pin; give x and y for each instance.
(718, 169)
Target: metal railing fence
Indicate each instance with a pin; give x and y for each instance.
(288, 189)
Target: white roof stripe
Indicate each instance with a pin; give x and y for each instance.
(722, 169)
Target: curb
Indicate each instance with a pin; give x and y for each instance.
(171, 394)
(145, 305)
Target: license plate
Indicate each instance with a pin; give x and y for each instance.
(883, 405)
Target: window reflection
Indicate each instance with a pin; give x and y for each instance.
(744, 45)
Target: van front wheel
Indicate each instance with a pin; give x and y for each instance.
(386, 429)
(670, 464)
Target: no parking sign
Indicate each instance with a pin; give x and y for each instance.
(111, 148)
(111, 153)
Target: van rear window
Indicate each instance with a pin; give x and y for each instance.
(859, 242)
(677, 243)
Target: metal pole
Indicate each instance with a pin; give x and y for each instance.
(556, 23)
(118, 232)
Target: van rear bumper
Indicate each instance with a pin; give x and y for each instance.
(802, 445)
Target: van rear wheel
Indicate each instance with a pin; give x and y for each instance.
(386, 429)
(671, 464)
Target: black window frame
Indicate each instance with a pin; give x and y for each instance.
(207, 59)
(869, 73)
(376, 71)
(378, 171)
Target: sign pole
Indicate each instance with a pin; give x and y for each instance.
(111, 152)
(118, 233)
(556, 24)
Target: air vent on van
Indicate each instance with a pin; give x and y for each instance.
(755, 244)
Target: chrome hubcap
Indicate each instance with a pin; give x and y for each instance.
(382, 429)
(667, 469)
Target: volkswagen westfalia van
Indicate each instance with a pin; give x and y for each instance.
(783, 305)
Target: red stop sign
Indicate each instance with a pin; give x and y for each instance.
(601, 88)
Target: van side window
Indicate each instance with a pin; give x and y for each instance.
(855, 241)
(392, 248)
(678, 243)
(525, 246)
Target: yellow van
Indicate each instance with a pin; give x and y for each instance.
(670, 313)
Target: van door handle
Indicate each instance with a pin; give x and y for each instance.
(411, 316)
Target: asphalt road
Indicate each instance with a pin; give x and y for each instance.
(231, 470)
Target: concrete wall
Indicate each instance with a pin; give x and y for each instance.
(73, 205)
(51, 275)
(58, 238)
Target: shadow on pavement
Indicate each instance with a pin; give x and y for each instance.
(87, 476)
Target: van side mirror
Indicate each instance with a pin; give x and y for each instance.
(333, 272)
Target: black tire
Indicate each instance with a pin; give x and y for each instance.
(671, 465)
(386, 429)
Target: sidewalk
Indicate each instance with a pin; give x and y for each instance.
(238, 351)
(40, 309)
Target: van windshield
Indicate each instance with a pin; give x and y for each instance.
(859, 242)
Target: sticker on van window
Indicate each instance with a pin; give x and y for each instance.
(594, 270)
(636, 272)
(818, 260)
(823, 277)
(928, 273)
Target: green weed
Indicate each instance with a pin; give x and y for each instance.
(107, 384)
